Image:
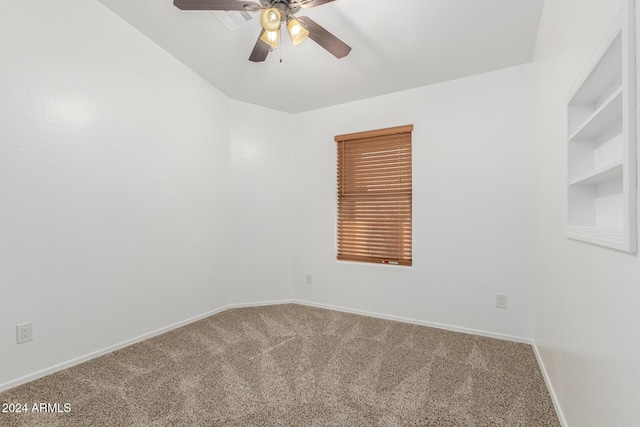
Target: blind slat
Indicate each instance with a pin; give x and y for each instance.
(387, 248)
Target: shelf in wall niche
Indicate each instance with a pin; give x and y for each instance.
(601, 147)
(603, 72)
(603, 119)
(612, 171)
(598, 236)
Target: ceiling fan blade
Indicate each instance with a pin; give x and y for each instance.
(308, 4)
(324, 38)
(216, 5)
(260, 50)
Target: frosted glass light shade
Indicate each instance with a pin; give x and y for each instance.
(297, 32)
(270, 19)
(271, 38)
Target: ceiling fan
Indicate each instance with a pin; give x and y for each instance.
(274, 13)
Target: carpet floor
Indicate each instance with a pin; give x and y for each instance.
(293, 365)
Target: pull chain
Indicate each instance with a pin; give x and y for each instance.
(281, 47)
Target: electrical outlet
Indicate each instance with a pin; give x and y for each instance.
(308, 279)
(24, 332)
(501, 301)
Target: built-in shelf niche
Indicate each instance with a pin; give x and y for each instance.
(601, 171)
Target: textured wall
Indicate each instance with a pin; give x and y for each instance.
(473, 205)
(114, 182)
(586, 305)
(261, 173)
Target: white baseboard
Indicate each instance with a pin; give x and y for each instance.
(419, 322)
(101, 352)
(92, 355)
(260, 303)
(547, 380)
(76, 361)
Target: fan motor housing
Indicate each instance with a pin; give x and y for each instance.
(286, 7)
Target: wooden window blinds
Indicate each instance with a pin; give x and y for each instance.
(375, 196)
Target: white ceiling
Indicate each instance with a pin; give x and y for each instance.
(396, 45)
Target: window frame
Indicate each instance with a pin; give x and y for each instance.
(381, 249)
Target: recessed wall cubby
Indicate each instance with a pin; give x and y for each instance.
(601, 170)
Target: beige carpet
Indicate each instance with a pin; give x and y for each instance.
(295, 365)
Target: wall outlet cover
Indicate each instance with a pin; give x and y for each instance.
(24, 332)
(501, 301)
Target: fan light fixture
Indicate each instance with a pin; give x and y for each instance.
(274, 14)
(270, 19)
(271, 38)
(297, 32)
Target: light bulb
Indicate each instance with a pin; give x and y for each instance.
(270, 38)
(270, 19)
(297, 32)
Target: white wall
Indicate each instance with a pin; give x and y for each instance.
(114, 182)
(473, 205)
(586, 317)
(135, 195)
(261, 169)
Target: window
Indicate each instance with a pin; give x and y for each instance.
(375, 196)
